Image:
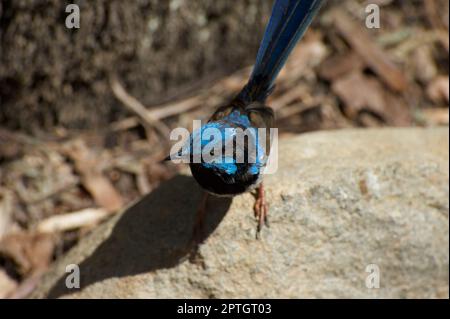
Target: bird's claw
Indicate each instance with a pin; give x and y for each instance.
(261, 209)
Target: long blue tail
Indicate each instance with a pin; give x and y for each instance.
(287, 24)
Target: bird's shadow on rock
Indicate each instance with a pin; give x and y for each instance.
(154, 233)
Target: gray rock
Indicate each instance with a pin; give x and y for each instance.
(340, 202)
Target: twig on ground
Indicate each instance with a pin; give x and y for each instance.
(74, 220)
(137, 108)
(6, 210)
(372, 54)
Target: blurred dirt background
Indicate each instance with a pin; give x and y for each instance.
(85, 114)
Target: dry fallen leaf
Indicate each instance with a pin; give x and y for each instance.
(339, 65)
(92, 178)
(373, 55)
(7, 285)
(30, 252)
(438, 89)
(361, 92)
(435, 116)
(424, 67)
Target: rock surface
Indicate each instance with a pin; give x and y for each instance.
(340, 201)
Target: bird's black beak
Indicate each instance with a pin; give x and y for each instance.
(174, 155)
(166, 159)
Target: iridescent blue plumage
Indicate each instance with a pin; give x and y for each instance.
(223, 174)
(229, 148)
(230, 127)
(287, 24)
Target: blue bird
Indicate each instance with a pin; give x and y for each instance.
(226, 173)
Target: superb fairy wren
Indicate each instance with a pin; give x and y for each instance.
(219, 170)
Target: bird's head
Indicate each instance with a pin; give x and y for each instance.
(225, 157)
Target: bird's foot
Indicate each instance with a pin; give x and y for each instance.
(261, 209)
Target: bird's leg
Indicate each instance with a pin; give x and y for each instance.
(261, 209)
(199, 231)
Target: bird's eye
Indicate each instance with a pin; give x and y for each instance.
(211, 152)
